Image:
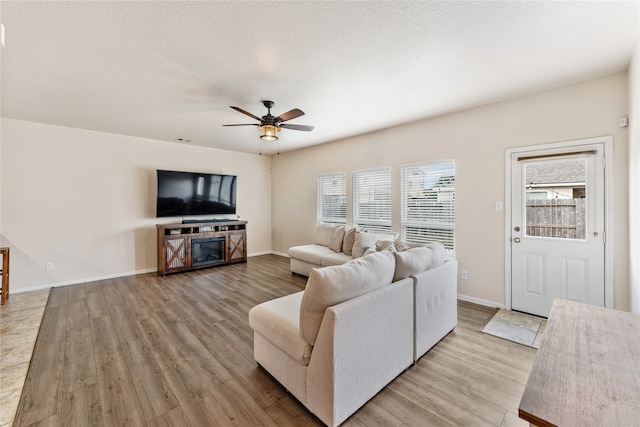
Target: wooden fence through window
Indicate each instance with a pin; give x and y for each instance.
(561, 218)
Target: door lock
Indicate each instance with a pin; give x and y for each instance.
(516, 228)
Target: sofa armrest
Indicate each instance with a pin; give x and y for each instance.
(362, 345)
(436, 305)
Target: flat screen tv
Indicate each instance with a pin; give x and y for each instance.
(192, 193)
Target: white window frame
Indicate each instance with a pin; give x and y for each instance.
(373, 218)
(442, 226)
(321, 180)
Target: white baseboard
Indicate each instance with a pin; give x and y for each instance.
(461, 297)
(112, 276)
(480, 301)
(85, 280)
(259, 253)
(280, 253)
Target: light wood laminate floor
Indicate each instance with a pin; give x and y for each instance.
(178, 351)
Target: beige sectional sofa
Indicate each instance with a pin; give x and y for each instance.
(356, 326)
(334, 245)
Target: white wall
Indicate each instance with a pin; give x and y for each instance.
(85, 200)
(634, 180)
(477, 140)
(49, 177)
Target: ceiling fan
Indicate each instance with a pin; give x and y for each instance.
(269, 125)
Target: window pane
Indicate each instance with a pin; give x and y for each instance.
(555, 201)
(428, 204)
(372, 199)
(332, 198)
(375, 228)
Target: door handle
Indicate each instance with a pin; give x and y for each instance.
(516, 239)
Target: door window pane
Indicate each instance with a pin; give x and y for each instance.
(555, 201)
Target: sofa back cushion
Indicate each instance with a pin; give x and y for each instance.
(415, 260)
(324, 232)
(330, 235)
(332, 285)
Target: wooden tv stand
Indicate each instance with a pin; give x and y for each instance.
(215, 243)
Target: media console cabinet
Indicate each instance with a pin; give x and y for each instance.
(184, 247)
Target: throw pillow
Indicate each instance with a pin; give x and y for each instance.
(369, 251)
(349, 240)
(335, 244)
(332, 285)
(403, 246)
(364, 240)
(382, 245)
(416, 260)
(323, 233)
(439, 253)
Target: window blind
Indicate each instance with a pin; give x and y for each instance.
(372, 199)
(428, 202)
(332, 198)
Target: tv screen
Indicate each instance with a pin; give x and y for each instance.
(191, 193)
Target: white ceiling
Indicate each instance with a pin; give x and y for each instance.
(167, 70)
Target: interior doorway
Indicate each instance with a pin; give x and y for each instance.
(556, 226)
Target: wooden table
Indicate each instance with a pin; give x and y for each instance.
(5, 274)
(587, 370)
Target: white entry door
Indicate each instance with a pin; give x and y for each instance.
(557, 228)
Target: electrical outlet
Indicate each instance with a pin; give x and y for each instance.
(464, 275)
(49, 265)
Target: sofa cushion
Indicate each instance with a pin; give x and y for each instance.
(364, 240)
(415, 260)
(349, 240)
(337, 235)
(332, 285)
(323, 233)
(310, 253)
(335, 258)
(278, 321)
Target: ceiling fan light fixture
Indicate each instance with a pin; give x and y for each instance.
(269, 125)
(269, 132)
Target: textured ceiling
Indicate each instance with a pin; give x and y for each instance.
(167, 70)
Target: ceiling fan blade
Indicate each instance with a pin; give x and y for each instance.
(245, 124)
(296, 127)
(290, 115)
(245, 112)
